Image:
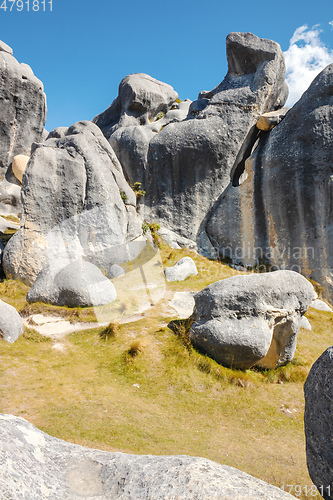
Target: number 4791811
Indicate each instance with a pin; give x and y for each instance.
(28, 5)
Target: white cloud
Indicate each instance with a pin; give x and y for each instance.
(305, 58)
(331, 23)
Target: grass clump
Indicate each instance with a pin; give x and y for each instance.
(31, 335)
(110, 332)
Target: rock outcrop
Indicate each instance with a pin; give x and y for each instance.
(182, 270)
(282, 213)
(318, 390)
(35, 465)
(190, 163)
(72, 284)
(251, 320)
(76, 204)
(22, 106)
(11, 324)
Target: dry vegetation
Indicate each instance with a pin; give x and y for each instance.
(140, 387)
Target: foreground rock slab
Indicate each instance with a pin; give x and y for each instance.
(318, 390)
(35, 465)
(251, 320)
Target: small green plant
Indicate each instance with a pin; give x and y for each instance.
(153, 228)
(145, 227)
(123, 196)
(137, 189)
(160, 115)
(178, 100)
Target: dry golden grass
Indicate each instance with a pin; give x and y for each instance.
(141, 388)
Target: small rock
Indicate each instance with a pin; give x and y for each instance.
(11, 324)
(320, 305)
(115, 271)
(183, 303)
(267, 121)
(182, 270)
(19, 165)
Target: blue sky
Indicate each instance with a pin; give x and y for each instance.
(82, 49)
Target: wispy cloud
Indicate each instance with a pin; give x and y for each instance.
(306, 57)
(331, 23)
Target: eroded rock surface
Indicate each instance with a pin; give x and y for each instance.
(251, 320)
(318, 390)
(35, 465)
(11, 324)
(76, 204)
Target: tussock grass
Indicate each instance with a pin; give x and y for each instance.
(141, 387)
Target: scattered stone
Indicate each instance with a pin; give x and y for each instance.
(305, 323)
(182, 270)
(11, 324)
(183, 303)
(267, 121)
(251, 319)
(115, 271)
(77, 284)
(320, 305)
(174, 240)
(18, 166)
(318, 390)
(35, 465)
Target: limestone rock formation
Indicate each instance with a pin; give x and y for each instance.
(76, 204)
(11, 324)
(22, 106)
(115, 271)
(282, 212)
(268, 121)
(182, 270)
(72, 284)
(251, 319)
(190, 163)
(19, 164)
(318, 390)
(143, 107)
(35, 465)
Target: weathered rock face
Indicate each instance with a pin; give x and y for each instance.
(282, 213)
(318, 390)
(76, 204)
(22, 108)
(251, 320)
(191, 163)
(11, 324)
(72, 284)
(140, 100)
(36, 465)
(144, 105)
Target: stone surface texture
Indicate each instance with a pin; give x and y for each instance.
(73, 284)
(11, 324)
(251, 319)
(35, 466)
(88, 209)
(318, 390)
(19, 164)
(281, 213)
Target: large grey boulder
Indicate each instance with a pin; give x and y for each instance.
(251, 319)
(22, 108)
(11, 324)
(74, 284)
(318, 390)
(282, 213)
(191, 162)
(35, 465)
(76, 204)
(182, 270)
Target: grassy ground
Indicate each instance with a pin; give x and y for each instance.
(141, 388)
